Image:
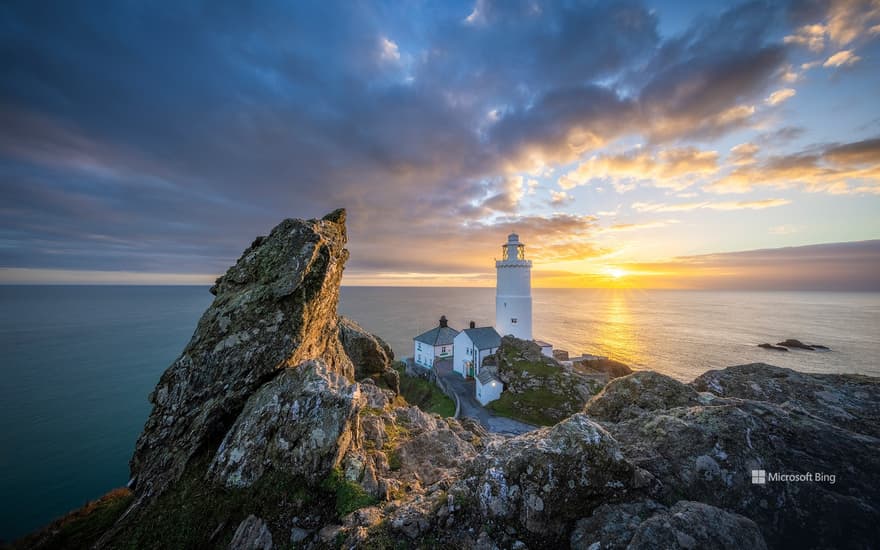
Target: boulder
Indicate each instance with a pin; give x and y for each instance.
(648, 525)
(692, 525)
(370, 355)
(611, 368)
(631, 396)
(544, 480)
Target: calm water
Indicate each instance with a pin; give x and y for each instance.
(78, 362)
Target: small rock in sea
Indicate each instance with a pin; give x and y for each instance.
(792, 343)
(765, 345)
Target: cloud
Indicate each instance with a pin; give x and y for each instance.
(619, 227)
(842, 58)
(120, 152)
(779, 96)
(785, 229)
(560, 197)
(852, 168)
(852, 266)
(672, 168)
(388, 50)
(811, 36)
(709, 205)
(744, 153)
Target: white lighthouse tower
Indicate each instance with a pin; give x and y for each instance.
(513, 290)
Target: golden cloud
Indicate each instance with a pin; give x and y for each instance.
(670, 168)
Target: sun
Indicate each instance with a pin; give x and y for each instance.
(616, 272)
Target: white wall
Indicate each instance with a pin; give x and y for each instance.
(508, 308)
(547, 350)
(489, 392)
(460, 353)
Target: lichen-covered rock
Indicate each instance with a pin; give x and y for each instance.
(693, 525)
(646, 525)
(851, 401)
(630, 396)
(300, 421)
(612, 526)
(609, 367)
(274, 309)
(544, 480)
(252, 534)
(706, 453)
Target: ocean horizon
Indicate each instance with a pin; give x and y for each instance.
(80, 360)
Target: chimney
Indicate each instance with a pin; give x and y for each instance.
(473, 324)
(443, 321)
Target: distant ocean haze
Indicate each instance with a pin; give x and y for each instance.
(79, 361)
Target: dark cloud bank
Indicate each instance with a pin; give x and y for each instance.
(161, 138)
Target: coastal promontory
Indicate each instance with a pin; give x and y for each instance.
(281, 425)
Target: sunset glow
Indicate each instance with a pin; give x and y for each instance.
(669, 146)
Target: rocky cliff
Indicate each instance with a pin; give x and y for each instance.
(280, 426)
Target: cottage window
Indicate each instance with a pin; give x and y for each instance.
(513, 320)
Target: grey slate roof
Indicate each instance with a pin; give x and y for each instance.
(483, 337)
(486, 377)
(438, 336)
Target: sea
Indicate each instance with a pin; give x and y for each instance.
(77, 362)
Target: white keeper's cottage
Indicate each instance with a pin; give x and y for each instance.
(472, 345)
(434, 344)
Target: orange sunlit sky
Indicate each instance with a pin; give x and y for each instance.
(653, 144)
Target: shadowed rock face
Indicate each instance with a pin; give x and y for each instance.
(648, 525)
(275, 308)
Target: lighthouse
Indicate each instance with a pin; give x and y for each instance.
(513, 290)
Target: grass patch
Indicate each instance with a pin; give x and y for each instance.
(527, 406)
(425, 395)
(536, 368)
(349, 495)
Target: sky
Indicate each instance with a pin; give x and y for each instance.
(655, 144)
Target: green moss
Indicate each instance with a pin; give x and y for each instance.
(424, 395)
(349, 495)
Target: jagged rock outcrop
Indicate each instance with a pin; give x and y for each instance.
(274, 309)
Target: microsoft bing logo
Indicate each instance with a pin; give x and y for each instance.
(759, 477)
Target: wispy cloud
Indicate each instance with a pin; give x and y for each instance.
(842, 59)
(709, 205)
